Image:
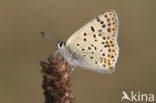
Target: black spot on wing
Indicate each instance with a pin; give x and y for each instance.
(99, 34)
(95, 48)
(103, 26)
(94, 36)
(112, 56)
(89, 48)
(101, 22)
(104, 38)
(92, 29)
(85, 39)
(92, 52)
(97, 19)
(100, 30)
(85, 34)
(91, 57)
(103, 54)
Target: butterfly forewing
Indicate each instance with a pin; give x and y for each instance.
(95, 43)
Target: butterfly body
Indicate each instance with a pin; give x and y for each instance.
(94, 46)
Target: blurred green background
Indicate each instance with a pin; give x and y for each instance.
(22, 48)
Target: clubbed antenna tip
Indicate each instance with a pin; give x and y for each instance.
(56, 81)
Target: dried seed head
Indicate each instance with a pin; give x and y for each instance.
(56, 81)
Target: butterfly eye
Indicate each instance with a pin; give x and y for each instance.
(61, 43)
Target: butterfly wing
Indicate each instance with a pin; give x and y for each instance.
(106, 22)
(95, 43)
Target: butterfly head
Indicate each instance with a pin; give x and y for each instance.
(64, 51)
(60, 44)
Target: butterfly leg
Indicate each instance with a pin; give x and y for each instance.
(56, 52)
(64, 58)
(61, 57)
(72, 69)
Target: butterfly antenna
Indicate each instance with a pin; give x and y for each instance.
(44, 35)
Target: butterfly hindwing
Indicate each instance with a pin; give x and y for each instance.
(97, 51)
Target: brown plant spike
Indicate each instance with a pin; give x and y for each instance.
(56, 81)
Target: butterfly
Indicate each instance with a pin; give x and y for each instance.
(94, 46)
